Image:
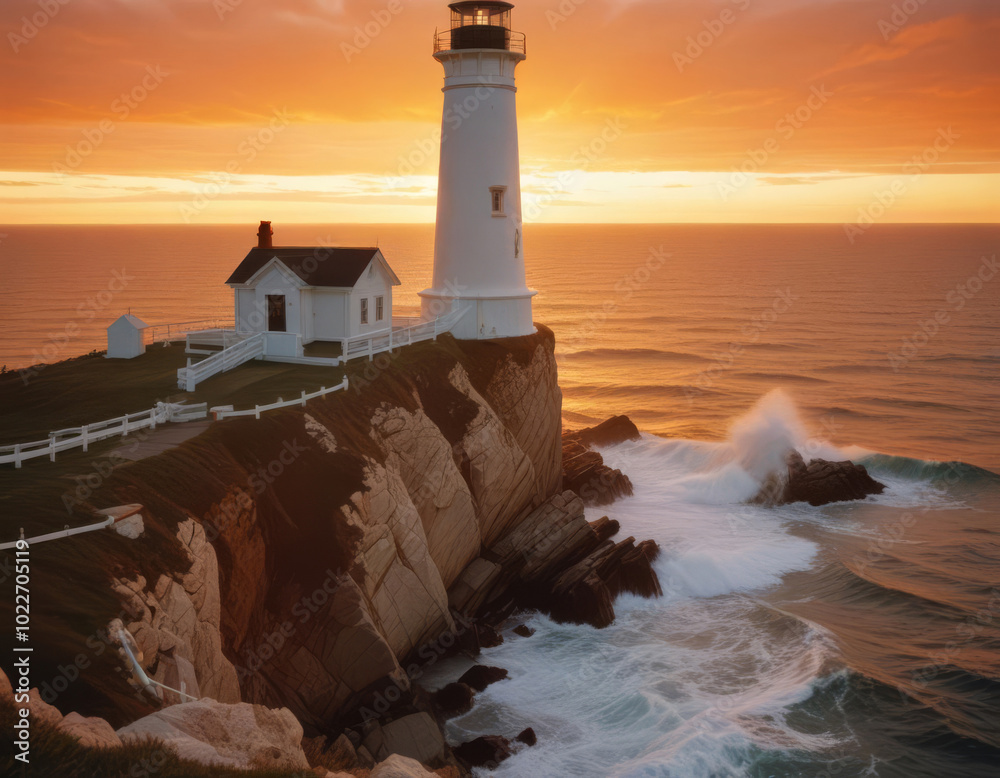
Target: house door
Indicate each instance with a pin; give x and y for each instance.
(276, 313)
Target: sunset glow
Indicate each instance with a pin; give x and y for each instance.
(327, 111)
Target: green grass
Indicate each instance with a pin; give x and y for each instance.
(54, 753)
(90, 389)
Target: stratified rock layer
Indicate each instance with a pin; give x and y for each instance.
(584, 470)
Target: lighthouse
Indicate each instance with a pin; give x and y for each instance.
(478, 242)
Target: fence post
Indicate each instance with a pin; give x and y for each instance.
(152, 419)
(86, 437)
(125, 426)
(17, 456)
(52, 447)
(371, 353)
(303, 398)
(256, 409)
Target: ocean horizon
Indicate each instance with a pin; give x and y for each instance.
(846, 640)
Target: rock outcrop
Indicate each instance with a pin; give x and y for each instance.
(817, 483)
(397, 766)
(584, 470)
(242, 735)
(617, 429)
(175, 623)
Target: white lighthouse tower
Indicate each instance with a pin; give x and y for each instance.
(478, 247)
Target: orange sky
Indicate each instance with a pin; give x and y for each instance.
(621, 118)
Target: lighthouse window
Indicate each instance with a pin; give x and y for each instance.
(364, 310)
(379, 308)
(497, 198)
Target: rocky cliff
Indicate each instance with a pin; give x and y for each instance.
(323, 542)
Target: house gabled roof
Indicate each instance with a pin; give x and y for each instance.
(135, 321)
(316, 265)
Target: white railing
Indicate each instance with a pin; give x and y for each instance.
(227, 412)
(77, 437)
(158, 333)
(287, 347)
(370, 345)
(189, 377)
(209, 341)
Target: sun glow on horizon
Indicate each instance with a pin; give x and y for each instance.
(162, 112)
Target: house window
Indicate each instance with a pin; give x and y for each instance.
(364, 310)
(496, 199)
(379, 308)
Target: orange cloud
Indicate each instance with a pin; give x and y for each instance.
(362, 92)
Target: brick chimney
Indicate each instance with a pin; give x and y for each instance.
(264, 236)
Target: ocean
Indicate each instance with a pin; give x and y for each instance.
(858, 639)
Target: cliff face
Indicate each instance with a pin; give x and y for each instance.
(324, 541)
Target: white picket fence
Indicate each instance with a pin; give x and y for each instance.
(226, 412)
(189, 377)
(77, 437)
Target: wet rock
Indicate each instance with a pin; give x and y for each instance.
(605, 528)
(524, 631)
(617, 429)
(527, 736)
(818, 483)
(585, 473)
(453, 700)
(486, 751)
(481, 676)
(585, 593)
(488, 637)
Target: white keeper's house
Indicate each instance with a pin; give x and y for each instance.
(318, 293)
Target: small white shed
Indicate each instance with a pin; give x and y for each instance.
(126, 339)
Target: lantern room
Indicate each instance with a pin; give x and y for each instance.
(478, 25)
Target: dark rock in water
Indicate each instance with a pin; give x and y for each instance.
(617, 429)
(485, 751)
(584, 470)
(488, 637)
(453, 700)
(481, 676)
(585, 473)
(605, 528)
(527, 737)
(524, 631)
(818, 483)
(585, 593)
